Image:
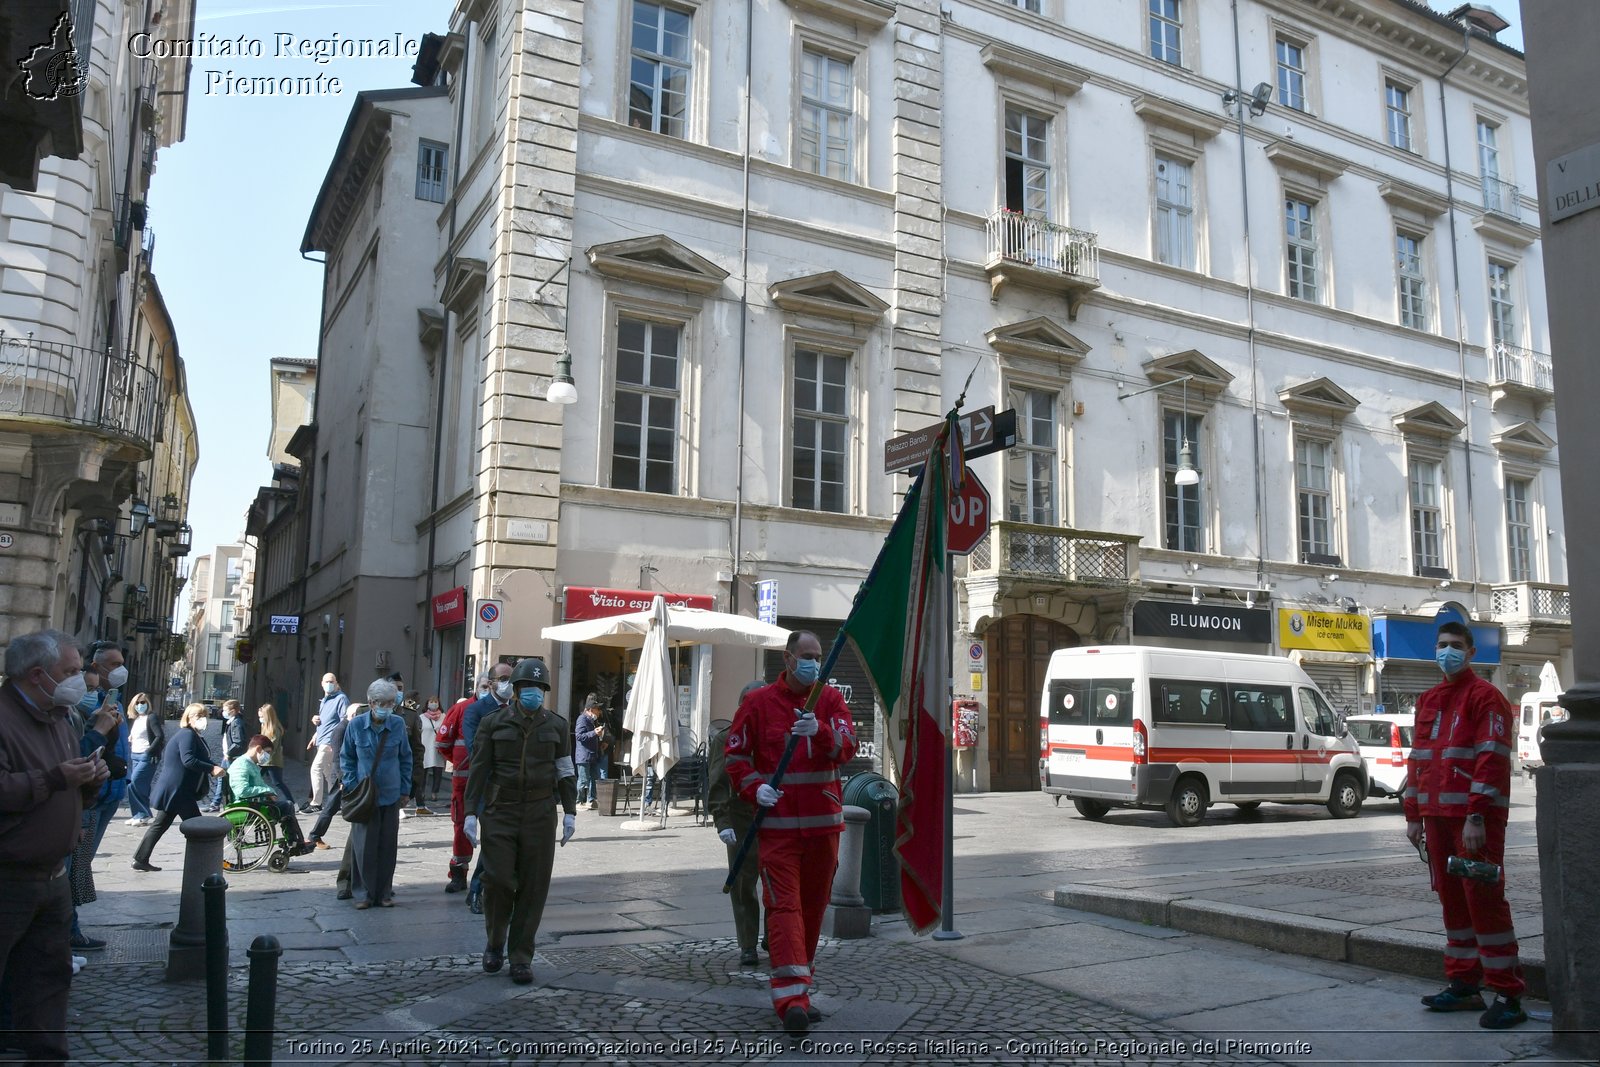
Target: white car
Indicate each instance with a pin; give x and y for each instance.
(1385, 742)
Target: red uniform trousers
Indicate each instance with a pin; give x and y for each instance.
(796, 882)
(1480, 943)
(461, 848)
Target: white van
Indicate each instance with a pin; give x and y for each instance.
(1538, 710)
(1146, 727)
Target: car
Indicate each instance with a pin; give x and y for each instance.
(1385, 742)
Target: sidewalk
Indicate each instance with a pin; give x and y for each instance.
(636, 965)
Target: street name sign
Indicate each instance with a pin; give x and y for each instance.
(983, 432)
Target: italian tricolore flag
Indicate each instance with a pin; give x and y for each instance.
(900, 628)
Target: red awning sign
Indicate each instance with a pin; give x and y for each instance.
(582, 602)
(450, 608)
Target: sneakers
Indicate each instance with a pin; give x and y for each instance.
(795, 1020)
(1457, 996)
(78, 964)
(404, 814)
(1503, 1014)
(139, 820)
(423, 809)
(320, 843)
(85, 943)
(310, 809)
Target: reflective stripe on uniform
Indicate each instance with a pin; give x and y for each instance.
(1499, 963)
(798, 970)
(1462, 934)
(1456, 753)
(1461, 952)
(1495, 747)
(1452, 798)
(1485, 789)
(1506, 937)
(810, 777)
(1422, 753)
(781, 991)
(802, 822)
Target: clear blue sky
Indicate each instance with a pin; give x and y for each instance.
(229, 205)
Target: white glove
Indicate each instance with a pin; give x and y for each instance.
(569, 825)
(469, 827)
(728, 836)
(767, 796)
(805, 726)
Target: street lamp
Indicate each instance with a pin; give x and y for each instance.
(1187, 475)
(138, 517)
(562, 389)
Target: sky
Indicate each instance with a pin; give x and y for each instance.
(229, 205)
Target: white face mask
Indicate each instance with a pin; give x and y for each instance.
(117, 678)
(69, 691)
(502, 689)
(199, 722)
(263, 757)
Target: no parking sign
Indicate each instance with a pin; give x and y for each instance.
(487, 624)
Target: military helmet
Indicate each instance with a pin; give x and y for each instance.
(531, 670)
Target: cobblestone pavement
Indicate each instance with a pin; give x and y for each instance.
(890, 1003)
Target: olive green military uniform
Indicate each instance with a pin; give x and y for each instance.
(519, 768)
(729, 812)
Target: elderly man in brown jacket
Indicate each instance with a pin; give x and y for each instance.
(44, 785)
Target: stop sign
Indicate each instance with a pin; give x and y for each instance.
(969, 516)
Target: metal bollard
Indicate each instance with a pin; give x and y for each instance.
(261, 1003)
(215, 891)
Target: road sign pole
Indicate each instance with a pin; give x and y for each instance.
(947, 930)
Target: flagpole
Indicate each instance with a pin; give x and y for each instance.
(947, 930)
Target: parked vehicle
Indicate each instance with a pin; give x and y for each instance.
(1148, 727)
(1538, 710)
(1385, 742)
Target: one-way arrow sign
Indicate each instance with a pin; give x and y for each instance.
(983, 431)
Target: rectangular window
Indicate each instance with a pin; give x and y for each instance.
(1027, 164)
(658, 87)
(227, 615)
(1413, 288)
(644, 421)
(1397, 105)
(1031, 469)
(827, 102)
(1502, 307)
(213, 651)
(1166, 31)
(1313, 479)
(1180, 503)
(1519, 529)
(1027, 5)
(432, 168)
(483, 88)
(1300, 228)
(1499, 196)
(1426, 516)
(1188, 703)
(821, 431)
(1261, 707)
(1291, 74)
(1174, 212)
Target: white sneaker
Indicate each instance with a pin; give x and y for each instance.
(404, 814)
(78, 963)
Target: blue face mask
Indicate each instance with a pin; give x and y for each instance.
(807, 671)
(531, 698)
(379, 714)
(89, 703)
(1450, 660)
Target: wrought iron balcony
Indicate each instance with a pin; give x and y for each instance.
(1502, 198)
(1532, 602)
(43, 381)
(1084, 557)
(1511, 365)
(1036, 252)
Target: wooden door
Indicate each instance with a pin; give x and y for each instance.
(1019, 648)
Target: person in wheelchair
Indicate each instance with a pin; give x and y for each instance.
(249, 786)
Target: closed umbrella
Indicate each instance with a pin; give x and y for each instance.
(652, 704)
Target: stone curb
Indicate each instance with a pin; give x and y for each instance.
(1384, 948)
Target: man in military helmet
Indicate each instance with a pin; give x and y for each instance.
(520, 766)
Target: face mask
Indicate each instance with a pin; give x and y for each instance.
(432, 706)
(1450, 660)
(89, 703)
(531, 698)
(139, 709)
(379, 714)
(502, 689)
(200, 722)
(117, 678)
(69, 692)
(807, 671)
(263, 758)
(329, 688)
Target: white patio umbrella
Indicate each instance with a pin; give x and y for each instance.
(685, 626)
(652, 712)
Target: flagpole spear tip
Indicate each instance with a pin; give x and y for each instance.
(962, 399)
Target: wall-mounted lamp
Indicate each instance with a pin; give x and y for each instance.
(1191, 566)
(1249, 601)
(562, 389)
(1330, 577)
(1187, 473)
(138, 517)
(1259, 96)
(1444, 583)
(1194, 595)
(1350, 605)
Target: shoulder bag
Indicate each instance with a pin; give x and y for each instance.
(361, 803)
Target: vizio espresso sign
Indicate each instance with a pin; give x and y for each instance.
(1202, 622)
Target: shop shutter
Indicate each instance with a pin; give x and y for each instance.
(851, 678)
(1403, 683)
(1340, 683)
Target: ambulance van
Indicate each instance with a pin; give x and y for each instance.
(1134, 726)
(1537, 711)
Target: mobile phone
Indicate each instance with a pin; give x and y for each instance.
(97, 753)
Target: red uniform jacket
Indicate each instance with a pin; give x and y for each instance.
(812, 801)
(1460, 761)
(448, 739)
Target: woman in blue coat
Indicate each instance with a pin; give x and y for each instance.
(375, 844)
(185, 763)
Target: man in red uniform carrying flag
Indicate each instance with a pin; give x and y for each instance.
(800, 832)
(1458, 792)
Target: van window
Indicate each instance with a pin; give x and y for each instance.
(1527, 714)
(1315, 713)
(1091, 702)
(1188, 703)
(1261, 707)
(1371, 732)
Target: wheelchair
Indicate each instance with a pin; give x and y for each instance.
(254, 835)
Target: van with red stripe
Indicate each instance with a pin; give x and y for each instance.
(1136, 726)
